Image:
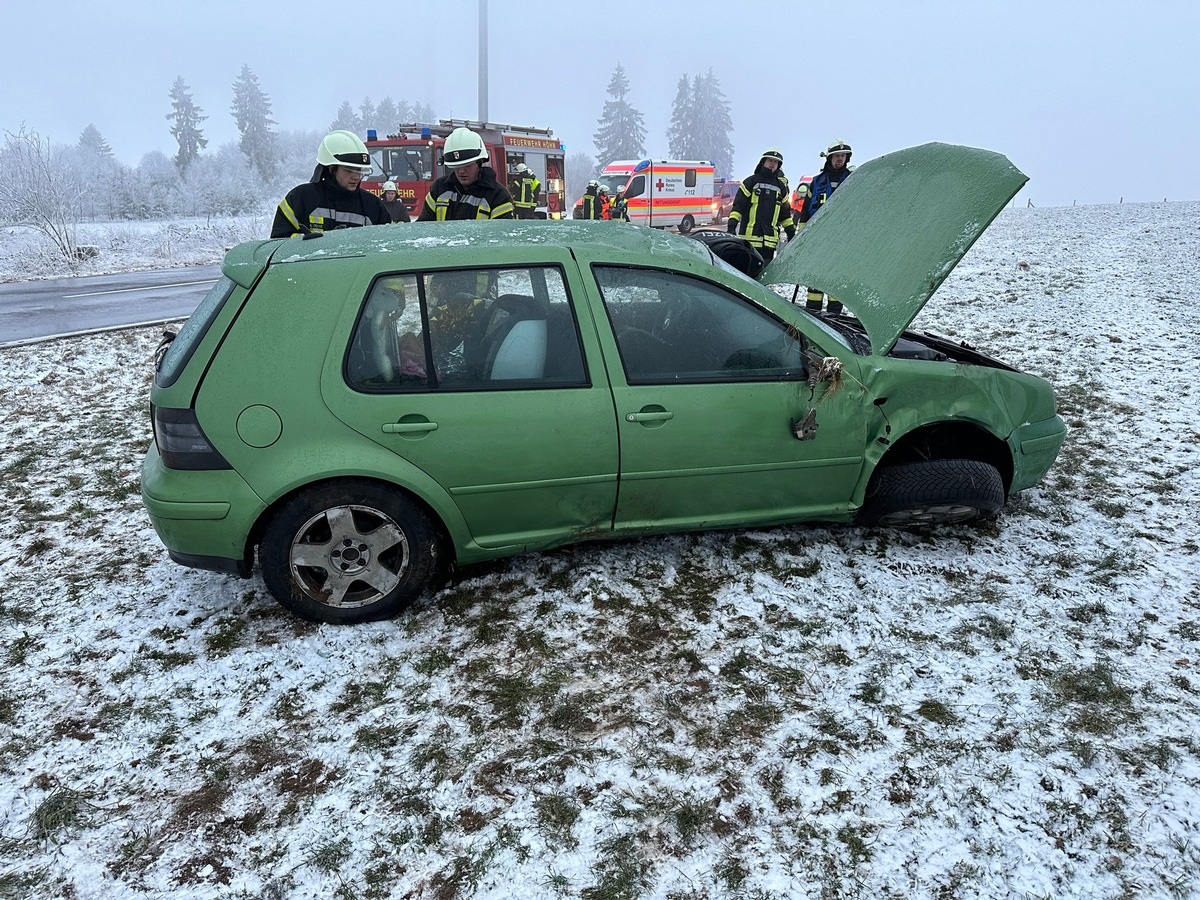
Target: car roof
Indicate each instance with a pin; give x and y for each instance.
(442, 243)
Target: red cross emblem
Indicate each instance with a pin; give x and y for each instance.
(660, 184)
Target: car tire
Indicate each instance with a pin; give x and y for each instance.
(686, 226)
(347, 552)
(933, 492)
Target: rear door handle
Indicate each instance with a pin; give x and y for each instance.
(408, 427)
(662, 416)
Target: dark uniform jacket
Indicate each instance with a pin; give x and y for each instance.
(762, 206)
(322, 205)
(593, 207)
(524, 190)
(822, 187)
(485, 198)
(397, 210)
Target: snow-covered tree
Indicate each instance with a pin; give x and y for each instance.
(39, 190)
(347, 119)
(94, 169)
(620, 134)
(700, 123)
(367, 116)
(185, 117)
(680, 133)
(387, 116)
(92, 141)
(713, 124)
(252, 113)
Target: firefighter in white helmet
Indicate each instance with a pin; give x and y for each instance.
(470, 189)
(396, 207)
(524, 188)
(835, 171)
(332, 198)
(763, 206)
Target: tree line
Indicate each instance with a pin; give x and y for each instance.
(54, 187)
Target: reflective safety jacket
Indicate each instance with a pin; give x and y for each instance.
(762, 207)
(323, 205)
(593, 207)
(524, 190)
(821, 189)
(484, 198)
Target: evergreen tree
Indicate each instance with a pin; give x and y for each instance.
(186, 117)
(92, 141)
(621, 134)
(679, 134)
(252, 112)
(347, 119)
(423, 112)
(367, 117)
(387, 116)
(713, 124)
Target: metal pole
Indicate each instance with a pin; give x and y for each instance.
(483, 62)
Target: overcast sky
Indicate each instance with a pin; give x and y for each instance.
(1094, 99)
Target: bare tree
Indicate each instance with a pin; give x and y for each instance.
(40, 191)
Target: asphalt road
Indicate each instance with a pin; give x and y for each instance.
(34, 310)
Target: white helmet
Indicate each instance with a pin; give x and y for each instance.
(389, 186)
(772, 153)
(838, 147)
(343, 148)
(522, 168)
(463, 146)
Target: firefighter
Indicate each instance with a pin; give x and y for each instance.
(835, 171)
(605, 203)
(396, 207)
(524, 189)
(332, 198)
(592, 206)
(619, 211)
(763, 206)
(470, 189)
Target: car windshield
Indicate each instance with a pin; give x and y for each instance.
(612, 182)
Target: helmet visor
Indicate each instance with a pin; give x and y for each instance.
(353, 159)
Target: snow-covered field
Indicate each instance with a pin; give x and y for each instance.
(1011, 710)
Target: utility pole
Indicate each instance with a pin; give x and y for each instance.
(483, 62)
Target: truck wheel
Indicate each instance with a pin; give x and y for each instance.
(687, 225)
(347, 552)
(933, 492)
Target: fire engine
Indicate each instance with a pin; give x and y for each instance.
(412, 158)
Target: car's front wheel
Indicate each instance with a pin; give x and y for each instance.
(686, 226)
(348, 551)
(933, 492)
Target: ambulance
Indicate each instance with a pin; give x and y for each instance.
(411, 157)
(663, 193)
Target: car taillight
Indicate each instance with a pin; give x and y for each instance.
(181, 441)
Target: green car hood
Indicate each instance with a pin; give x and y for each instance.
(894, 230)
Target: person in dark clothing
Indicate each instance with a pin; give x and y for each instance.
(835, 171)
(593, 206)
(619, 211)
(470, 189)
(396, 207)
(762, 207)
(524, 188)
(332, 198)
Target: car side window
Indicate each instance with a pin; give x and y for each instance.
(671, 328)
(467, 329)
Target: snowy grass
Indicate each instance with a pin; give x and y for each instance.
(1009, 710)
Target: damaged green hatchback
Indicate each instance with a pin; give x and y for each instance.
(365, 406)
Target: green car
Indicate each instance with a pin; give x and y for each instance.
(366, 406)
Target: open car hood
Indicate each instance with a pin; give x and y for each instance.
(892, 232)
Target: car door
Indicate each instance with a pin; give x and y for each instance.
(711, 396)
(477, 378)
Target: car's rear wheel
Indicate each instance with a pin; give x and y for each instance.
(933, 492)
(686, 226)
(348, 551)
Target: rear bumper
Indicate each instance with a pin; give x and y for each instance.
(1034, 447)
(205, 519)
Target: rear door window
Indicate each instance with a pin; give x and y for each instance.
(180, 350)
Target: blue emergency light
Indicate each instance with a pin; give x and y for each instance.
(371, 134)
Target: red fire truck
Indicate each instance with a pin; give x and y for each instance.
(412, 158)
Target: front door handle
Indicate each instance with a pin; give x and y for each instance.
(658, 416)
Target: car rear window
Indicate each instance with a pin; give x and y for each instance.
(181, 349)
